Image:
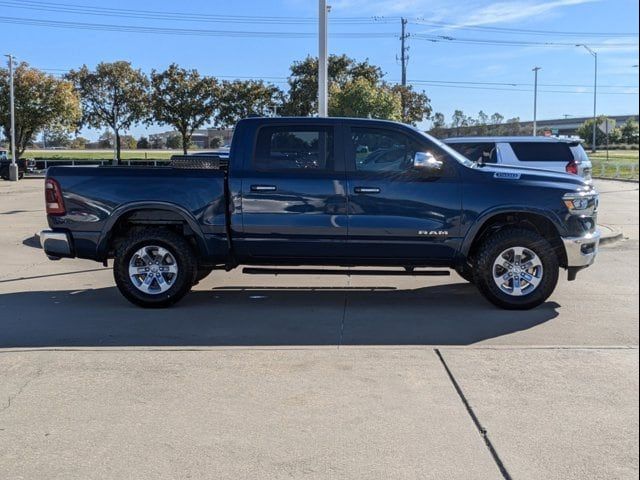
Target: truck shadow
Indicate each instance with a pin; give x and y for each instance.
(453, 314)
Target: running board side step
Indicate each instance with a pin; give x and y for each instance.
(317, 271)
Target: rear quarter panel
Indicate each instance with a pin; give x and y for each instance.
(96, 197)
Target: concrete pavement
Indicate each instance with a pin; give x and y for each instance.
(327, 377)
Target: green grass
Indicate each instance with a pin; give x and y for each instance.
(80, 155)
(621, 164)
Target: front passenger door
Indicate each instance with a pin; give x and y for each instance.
(395, 211)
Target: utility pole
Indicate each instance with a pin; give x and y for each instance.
(323, 66)
(535, 101)
(13, 167)
(404, 58)
(595, 94)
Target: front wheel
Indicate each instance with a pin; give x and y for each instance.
(516, 269)
(154, 268)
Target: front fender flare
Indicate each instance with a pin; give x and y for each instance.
(487, 215)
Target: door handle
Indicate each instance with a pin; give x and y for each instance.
(371, 190)
(263, 188)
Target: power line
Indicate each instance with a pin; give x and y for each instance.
(520, 31)
(520, 43)
(179, 16)
(181, 31)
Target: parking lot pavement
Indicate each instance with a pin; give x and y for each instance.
(320, 377)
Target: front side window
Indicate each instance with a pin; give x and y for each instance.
(294, 148)
(377, 150)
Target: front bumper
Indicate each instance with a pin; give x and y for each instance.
(581, 251)
(56, 244)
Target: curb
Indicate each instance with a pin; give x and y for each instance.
(624, 180)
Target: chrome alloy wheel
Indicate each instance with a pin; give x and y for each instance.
(153, 270)
(517, 271)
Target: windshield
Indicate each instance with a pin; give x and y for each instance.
(450, 151)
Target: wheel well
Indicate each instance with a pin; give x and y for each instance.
(147, 217)
(528, 221)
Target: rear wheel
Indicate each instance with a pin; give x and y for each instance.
(154, 268)
(516, 269)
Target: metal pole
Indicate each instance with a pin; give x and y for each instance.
(323, 67)
(403, 53)
(13, 168)
(535, 102)
(595, 98)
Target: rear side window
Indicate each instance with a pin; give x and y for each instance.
(294, 148)
(542, 152)
(475, 151)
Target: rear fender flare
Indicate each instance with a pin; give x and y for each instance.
(118, 213)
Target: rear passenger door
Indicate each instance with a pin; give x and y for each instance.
(293, 194)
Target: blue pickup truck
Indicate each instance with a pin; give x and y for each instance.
(298, 193)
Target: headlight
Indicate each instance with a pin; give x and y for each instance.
(581, 203)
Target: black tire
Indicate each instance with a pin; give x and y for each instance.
(498, 243)
(176, 245)
(466, 272)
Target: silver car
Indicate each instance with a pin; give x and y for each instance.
(544, 153)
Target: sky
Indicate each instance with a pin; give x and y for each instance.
(470, 55)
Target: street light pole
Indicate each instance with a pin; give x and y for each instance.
(535, 101)
(13, 167)
(595, 94)
(323, 67)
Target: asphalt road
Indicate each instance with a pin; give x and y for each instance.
(320, 377)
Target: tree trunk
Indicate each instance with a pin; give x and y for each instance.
(185, 142)
(118, 160)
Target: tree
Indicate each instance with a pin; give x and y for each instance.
(458, 120)
(438, 124)
(513, 127)
(303, 81)
(174, 142)
(114, 95)
(41, 101)
(78, 143)
(143, 144)
(416, 106)
(128, 142)
(481, 123)
(242, 98)
(215, 142)
(106, 139)
(183, 99)
(629, 132)
(361, 98)
(585, 131)
(55, 137)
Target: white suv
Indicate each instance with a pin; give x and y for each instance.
(545, 153)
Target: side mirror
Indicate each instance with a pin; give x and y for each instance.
(426, 162)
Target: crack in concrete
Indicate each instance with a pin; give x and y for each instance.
(11, 398)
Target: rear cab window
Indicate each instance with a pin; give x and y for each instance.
(542, 151)
(294, 148)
